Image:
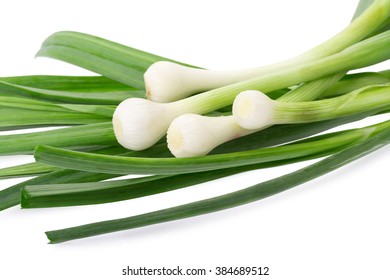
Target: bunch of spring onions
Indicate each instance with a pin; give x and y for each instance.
(217, 123)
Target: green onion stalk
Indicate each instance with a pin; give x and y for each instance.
(254, 110)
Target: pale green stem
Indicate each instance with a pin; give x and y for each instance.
(166, 82)
(354, 102)
(367, 52)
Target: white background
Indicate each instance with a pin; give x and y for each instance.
(335, 227)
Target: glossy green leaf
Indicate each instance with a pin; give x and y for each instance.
(11, 196)
(234, 199)
(71, 194)
(115, 61)
(129, 165)
(27, 169)
(69, 89)
(18, 112)
(77, 137)
(11, 119)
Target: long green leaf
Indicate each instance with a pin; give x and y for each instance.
(118, 62)
(69, 89)
(90, 135)
(27, 169)
(353, 82)
(23, 112)
(44, 106)
(247, 195)
(18, 118)
(25, 103)
(54, 195)
(66, 83)
(129, 165)
(36, 168)
(71, 194)
(279, 134)
(272, 136)
(11, 196)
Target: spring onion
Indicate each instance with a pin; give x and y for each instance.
(151, 120)
(186, 132)
(195, 135)
(167, 82)
(192, 129)
(305, 95)
(254, 110)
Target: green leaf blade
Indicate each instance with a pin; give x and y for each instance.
(128, 165)
(230, 200)
(118, 62)
(83, 136)
(27, 169)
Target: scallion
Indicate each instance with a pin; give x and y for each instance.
(254, 110)
(153, 119)
(167, 82)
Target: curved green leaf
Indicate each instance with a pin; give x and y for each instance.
(234, 199)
